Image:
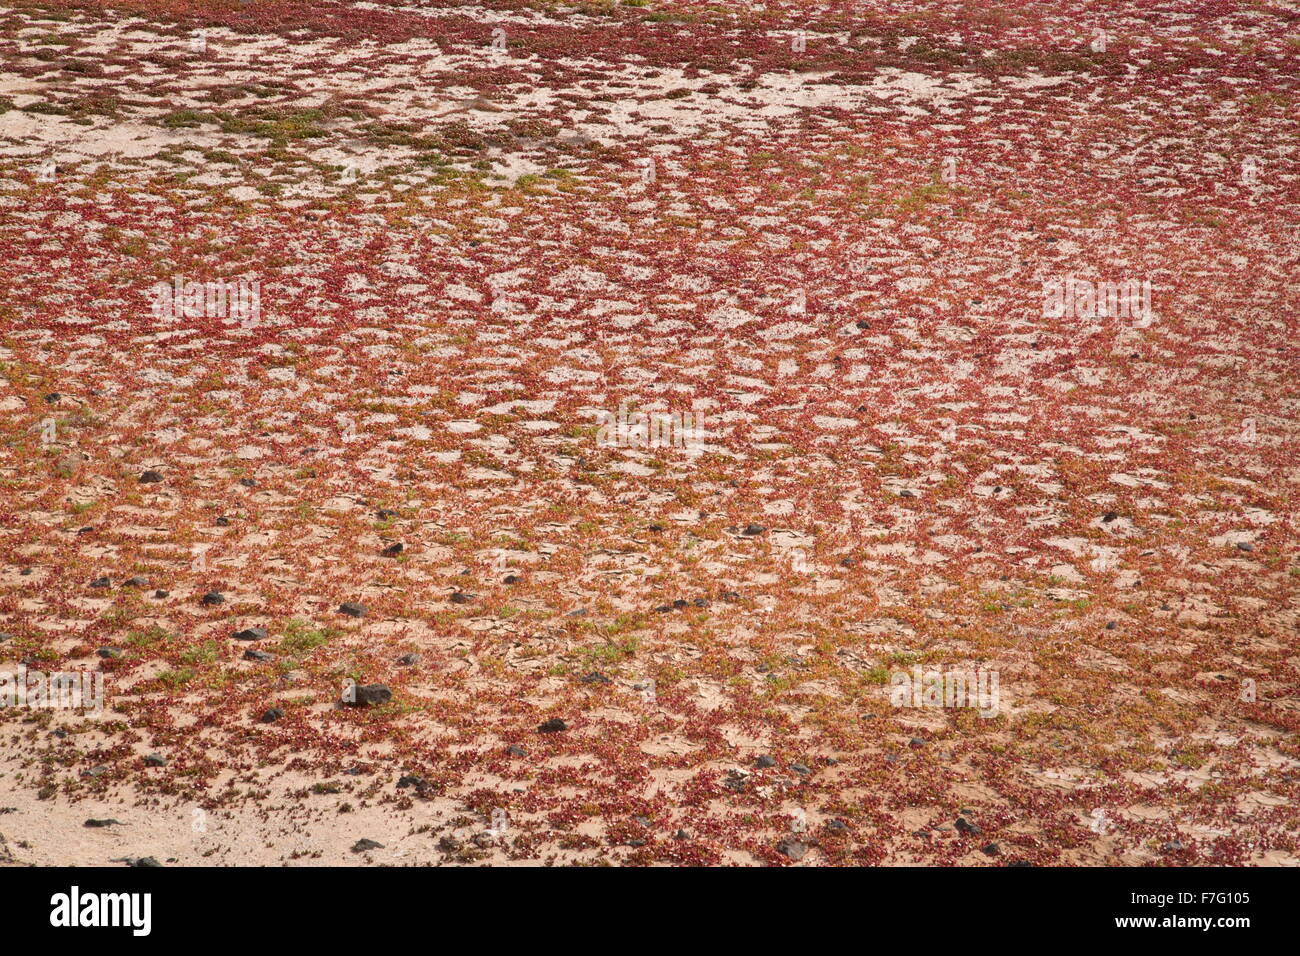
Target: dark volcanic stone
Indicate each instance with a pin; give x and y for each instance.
(155, 760)
(101, 583)
(352, 609)
(393, 550)
(552, 726)
(765, 761)
(460, 597)
(595, 677)
(515, 750)
(250, 634)
(792, 848)
(94, 824)
(151, 477)
(965, 826)
(369, 695)
(409, 659)
(212, 599)
(253, 654)
(272, 715)
(109, 653)
(362, 845)
(754, 529)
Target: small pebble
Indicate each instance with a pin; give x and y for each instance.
(792, 848)
(368, 695)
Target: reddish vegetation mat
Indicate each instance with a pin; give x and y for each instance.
(464, 233)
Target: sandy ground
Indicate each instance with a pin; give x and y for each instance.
(467, 236)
